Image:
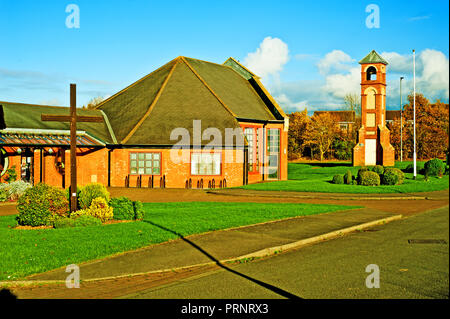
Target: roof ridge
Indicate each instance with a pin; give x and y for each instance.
(134, 83)
(208, 87)
(152, 105)
(242, 66)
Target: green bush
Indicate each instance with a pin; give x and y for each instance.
(3, 195)
(410, 168)
(348, 178)
(64, 222)
(369, 178)
(91, 191)
(338, 179)
(11, 174)
(362, 169)
(378, 169)
(123, 208)
(138, 210)
(392, 176)
(39, 205)
(86, 220)
(434, 167)
(354, 182)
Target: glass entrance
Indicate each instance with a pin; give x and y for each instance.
(273, 153)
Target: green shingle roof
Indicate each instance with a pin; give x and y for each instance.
(179, 92)
(373, 57)
(28, 116)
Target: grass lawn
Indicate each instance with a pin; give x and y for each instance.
(24, 252)
(316, 177)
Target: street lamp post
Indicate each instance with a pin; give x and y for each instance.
(401, 121)
(414, 118)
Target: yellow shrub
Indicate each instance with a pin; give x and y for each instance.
(99, 209)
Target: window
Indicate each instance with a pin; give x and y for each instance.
(273, 152)
(145, 163)
(371, 73)
(249, 134)
(205, 163)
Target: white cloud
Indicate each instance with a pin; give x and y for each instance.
(287, 104)
(269, 58)
(335, 61)
(339, 85)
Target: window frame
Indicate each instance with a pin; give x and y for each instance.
(256, 151)
(202, 153)
(145, 152)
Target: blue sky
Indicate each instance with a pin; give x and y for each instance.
(307, 52)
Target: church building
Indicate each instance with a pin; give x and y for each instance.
(228, 127)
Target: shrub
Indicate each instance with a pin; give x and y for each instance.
(348, 178)
(138, 210)
(362, 169)
(63, 222)
(11, 174)
(99, 208)
(15, 189)
(392, 176)
(378, 169)
(354, 182)
(433, 166)
(3, 195)
(410, 168)
(338, 179)
(86, 220)
(91, 191)
(123, 208)
(369, 178)
(40, 204)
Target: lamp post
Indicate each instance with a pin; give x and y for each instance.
(401, 121)
(414, 117)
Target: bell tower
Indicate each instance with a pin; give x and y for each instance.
(374, 147)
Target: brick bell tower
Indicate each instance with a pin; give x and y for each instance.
(374, 147)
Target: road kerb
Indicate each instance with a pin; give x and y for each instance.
(257, 254)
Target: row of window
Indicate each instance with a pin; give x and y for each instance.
(210, 163)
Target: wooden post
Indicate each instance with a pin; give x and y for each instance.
(73, 147)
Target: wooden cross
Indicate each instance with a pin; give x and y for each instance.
(73, 119)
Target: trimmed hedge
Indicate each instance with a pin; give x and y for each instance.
(338, 179)
(434, 167)
(41, 204)
(392, 176)
(378, 169)
(138, 210)
(123, 208)
(368, 178)
(348, 178)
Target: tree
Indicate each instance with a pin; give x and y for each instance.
(93, 102)
(353, 103)
(298, 123)
(432, 127)
(321, 132)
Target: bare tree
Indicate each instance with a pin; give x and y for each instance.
(353, 103)
(93, 102)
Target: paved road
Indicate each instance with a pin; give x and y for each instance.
(336, 268)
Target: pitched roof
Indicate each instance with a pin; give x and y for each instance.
(28, 116)
(373, 57)
(183, 90)
(342, 116)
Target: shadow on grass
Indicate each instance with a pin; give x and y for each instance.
(274, 289)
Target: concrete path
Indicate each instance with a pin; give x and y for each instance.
(218, 245)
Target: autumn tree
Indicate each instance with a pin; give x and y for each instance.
(432, 128)
(93, 102)
(298, 123)
(321, 132)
